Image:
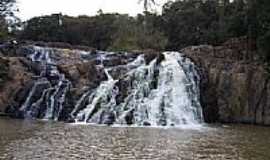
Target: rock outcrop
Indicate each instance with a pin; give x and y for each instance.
(16, 78)
(235, 87)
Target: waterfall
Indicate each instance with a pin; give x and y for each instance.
(49, 90)
(173, 100)
(135, 91)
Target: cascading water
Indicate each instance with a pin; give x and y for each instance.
(49, 90)
(99, 101)
(135, 92)
(173, 101)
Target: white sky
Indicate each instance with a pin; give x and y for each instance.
(31, 8)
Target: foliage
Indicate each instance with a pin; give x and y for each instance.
(194, 22)
(135, 34)
(43, 28)
(104, 31)
(7, 10)
(93, 31)
(3, 29)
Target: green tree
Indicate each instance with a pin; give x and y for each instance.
(7, 9)
(44, 28)
(190, 22)
(133, 34)
(3, 29)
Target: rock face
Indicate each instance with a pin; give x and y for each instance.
(235, 87)
(17, 77)
(18, 74)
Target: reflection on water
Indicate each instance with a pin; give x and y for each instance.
(43, 140)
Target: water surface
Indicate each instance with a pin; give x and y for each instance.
(24, 139)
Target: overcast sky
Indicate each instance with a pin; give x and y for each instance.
(31, 8)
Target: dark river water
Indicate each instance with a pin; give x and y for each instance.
(49, 140)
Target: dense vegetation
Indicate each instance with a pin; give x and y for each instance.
(182, 23)
(193, 22)
(104, 31)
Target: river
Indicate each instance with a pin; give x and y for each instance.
(26, 139)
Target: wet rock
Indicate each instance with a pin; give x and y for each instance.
(123, 86)
(109, 119)
(71, 72)
(118, 72)
(150, 55)
(83, 74)
(145, 123)
(69, 104)
(113, 61)
(130, 118)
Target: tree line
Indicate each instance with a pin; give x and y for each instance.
(182, 23)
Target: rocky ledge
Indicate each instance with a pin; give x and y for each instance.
(235, 86)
